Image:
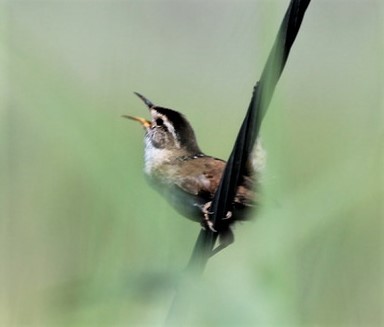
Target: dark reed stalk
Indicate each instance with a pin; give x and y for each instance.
(262, 95)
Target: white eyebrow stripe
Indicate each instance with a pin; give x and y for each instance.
(170, 127)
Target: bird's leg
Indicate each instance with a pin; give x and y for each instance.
(206, 222)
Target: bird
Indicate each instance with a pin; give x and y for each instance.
(188, 178)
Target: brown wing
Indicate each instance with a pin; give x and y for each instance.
(203, 176)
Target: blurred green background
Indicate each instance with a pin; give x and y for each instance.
(84, 241)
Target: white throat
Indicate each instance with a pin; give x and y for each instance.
(154, 158)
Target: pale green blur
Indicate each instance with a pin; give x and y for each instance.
(84, 241)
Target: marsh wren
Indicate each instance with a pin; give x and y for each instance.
(187, 177)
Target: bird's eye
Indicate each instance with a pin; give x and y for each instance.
(159, 122)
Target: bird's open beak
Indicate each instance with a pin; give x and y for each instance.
(142, 121)
(146, 123)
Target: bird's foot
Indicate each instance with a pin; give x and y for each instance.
(206, 212)
(205, 209)
(206, 222)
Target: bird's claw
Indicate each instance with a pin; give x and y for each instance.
(228, 215)
(205, 209)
